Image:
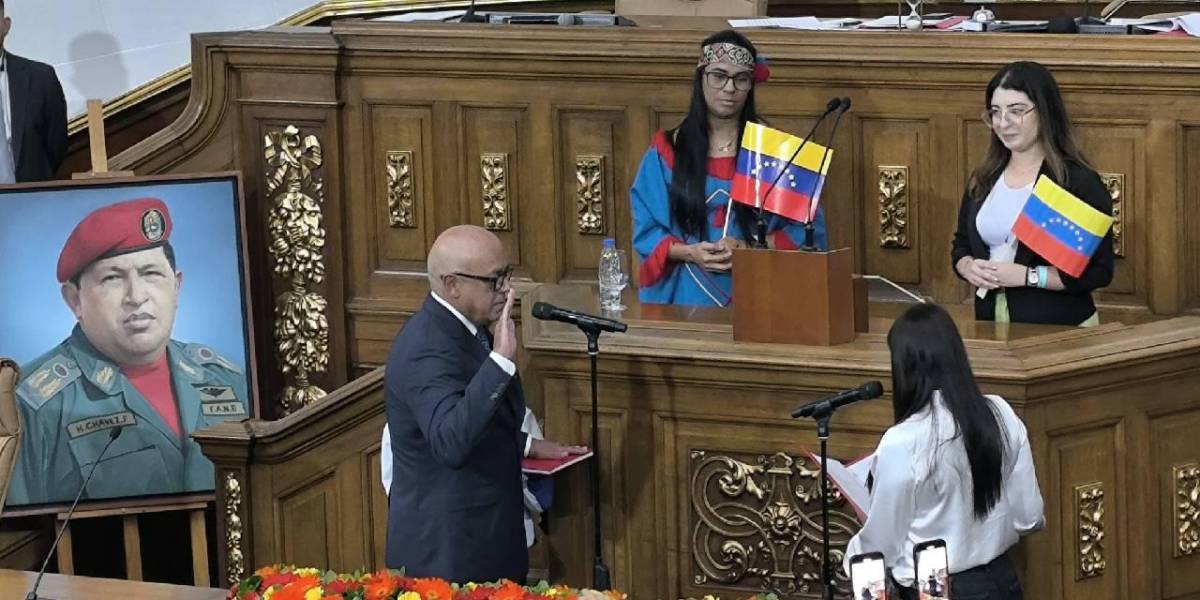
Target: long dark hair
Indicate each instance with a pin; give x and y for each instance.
(1055, 132)
(688, 177)
(928, 355)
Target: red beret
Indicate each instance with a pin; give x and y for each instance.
(113, 230)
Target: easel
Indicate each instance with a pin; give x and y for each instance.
(95, 121)
(133, 541)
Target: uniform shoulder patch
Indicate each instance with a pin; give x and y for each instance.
(49, 379)
(204, 355)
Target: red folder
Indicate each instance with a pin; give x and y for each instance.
(550, 466)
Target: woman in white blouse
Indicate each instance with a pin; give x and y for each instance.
(956, 466)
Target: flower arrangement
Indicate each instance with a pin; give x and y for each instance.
(287, 582)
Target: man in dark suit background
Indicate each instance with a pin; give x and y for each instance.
(33, 141)
(454, 409)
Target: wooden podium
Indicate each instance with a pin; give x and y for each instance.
(793, 297)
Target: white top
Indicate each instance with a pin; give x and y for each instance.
(998, 215)
(922, 492)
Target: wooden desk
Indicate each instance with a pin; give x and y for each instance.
(694, 426)
(15, 584)
(707, 489)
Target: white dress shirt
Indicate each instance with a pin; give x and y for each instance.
(922, 491)
(504, 362)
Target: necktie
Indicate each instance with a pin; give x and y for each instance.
(482, 335)
(7, 168)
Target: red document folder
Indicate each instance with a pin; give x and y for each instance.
(550, 466)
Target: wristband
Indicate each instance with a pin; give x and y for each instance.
(1042, 272)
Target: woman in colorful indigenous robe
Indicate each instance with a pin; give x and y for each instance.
(681, 193)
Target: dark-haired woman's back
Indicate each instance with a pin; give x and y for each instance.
(922, 491)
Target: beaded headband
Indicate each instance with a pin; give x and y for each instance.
(736, 55)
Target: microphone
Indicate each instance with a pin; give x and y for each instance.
(825, 406)
(761, 224)
(818, 184)
(470, 16)
(112, 437)
(549, 312)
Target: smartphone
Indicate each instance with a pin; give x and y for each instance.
(868, 579)
(932, 570)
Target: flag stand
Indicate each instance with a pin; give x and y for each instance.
(793, 297)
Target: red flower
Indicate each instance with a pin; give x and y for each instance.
(338, 587)
(482, 592)
(270, 581)
(431, 588)
(297, 589)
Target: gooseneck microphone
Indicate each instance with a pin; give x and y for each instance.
(549, 312)
(112, 437)
(867, 391)
(761, 224)
(814, 195)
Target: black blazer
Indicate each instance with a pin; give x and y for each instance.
(1070, 306)
(456, 508)
(39, 118)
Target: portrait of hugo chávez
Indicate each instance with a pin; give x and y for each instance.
(120, 367)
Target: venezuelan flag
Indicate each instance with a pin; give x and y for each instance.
(763, 157)
(1060, 227)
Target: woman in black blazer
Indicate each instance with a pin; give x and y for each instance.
(1031, 136)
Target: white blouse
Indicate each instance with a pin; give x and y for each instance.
(922, 492)
(998, 215)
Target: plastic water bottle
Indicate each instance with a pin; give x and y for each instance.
(612, 276)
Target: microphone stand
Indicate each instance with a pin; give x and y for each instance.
(112, 437)
(809, 227)
(822, 416)
(600, 575)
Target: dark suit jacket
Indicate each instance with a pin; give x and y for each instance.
(39, 118)
(1070, 306)
(456, 508)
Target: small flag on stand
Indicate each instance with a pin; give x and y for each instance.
(1060, 227)
(763, 157)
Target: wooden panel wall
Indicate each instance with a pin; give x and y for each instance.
(538, 133)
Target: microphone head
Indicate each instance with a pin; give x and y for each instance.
(833, 104)
(541, 310)
(871, 389)
(845, 102)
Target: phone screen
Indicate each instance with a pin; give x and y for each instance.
(867, 579)
(933, 576)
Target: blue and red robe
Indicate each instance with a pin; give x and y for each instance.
(664, 281)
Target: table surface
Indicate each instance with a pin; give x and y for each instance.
(15, 584)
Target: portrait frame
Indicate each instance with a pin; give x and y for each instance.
(210, 242)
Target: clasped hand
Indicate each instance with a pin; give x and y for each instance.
(714, 256)
(991, 275)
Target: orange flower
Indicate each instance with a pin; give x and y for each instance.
(268, 571)
(432, 588)
(508, 591)
(380, 585)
